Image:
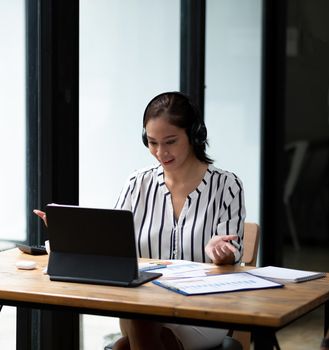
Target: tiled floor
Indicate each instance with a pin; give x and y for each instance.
(98, 332)
(304, 334)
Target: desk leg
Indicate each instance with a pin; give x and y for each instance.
(265, 339)
(24, 326)
(47, 330)
(59, 330)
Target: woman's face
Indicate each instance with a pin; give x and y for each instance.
(168, 143)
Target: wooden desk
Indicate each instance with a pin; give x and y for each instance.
(261, 311)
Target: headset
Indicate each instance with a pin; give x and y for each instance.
(198, 132)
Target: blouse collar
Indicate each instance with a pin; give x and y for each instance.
(193, 194)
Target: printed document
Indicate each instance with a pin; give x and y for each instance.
(216, 283)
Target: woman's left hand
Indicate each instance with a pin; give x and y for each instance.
(41, 215)
(220, 250)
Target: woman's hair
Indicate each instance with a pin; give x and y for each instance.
(182, 113)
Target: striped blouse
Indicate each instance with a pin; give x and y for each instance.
(215, 207)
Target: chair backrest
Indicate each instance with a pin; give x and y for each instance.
(251, 243)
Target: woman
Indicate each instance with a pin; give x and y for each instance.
(184, 208)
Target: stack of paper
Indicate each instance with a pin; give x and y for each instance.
(282, 274)
(183, 269)
(192, 278)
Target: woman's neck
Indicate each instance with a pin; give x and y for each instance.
(182, 182)
(194, 169)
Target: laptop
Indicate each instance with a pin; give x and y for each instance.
(90, 245)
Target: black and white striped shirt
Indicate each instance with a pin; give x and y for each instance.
(216, 206)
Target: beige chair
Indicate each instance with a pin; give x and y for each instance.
(251, 243)
(249, 258)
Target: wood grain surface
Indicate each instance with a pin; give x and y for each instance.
(268, 307)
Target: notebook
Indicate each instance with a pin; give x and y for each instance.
(90, 245)
(283, 274)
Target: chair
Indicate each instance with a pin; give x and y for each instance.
(249, 258)
(240, 340)
(251, 242)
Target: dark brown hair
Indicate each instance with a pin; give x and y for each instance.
(182, 113)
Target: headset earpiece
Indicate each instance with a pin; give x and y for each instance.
(198, 133)
(144, 138)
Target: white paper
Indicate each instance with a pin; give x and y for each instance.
(183, 269)
(285, 274)
(217, 283)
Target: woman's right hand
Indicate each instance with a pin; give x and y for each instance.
(220, 250)
(41, 214)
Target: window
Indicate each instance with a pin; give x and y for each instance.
(129, 52)
(126, 58)
(12, 142)
(233, 93)
(13, 117)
